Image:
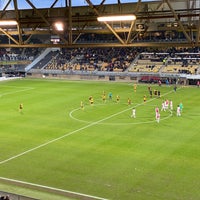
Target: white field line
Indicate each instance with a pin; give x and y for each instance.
(4, 94)
(118, 123)
(63, 136)
(51, 188)
(73, 132)
(13, 86)
(56, 139)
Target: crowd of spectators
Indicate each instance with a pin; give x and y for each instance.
(127, 59)
(16, 54)
(87, 59)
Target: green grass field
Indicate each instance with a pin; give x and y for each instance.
(100, 151)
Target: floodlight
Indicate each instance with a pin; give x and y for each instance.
(116, 18)
(8, 22)
(59, 26)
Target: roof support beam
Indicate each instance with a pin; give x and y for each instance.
(179, 22)
(75, 40)
(4, 10)
(109, 27)
(133, 22)
(94, 45)
(34, 28)
(70, 22)
(9, 36)
(54, 3)
(18, 22)
(46, 21)
(198, 32)
(38, 12)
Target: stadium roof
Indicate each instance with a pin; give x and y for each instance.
(22, 4)
(177, 21)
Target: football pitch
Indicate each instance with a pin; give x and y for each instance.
(100, 150)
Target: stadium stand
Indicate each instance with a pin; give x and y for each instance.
(119, 60)
(103, 61)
